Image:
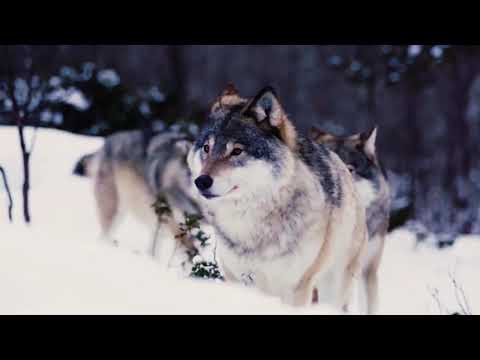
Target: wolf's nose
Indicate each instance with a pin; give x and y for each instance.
(204, 182)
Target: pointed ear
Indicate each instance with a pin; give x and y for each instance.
(265, 107)
(320, 136)
(228, 97)
(369, 140)
(183, 146)
(230, 90)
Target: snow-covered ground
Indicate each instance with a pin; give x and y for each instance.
(57, 265)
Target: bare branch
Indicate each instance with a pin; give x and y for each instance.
(460, 296)
(33, 141)
(9, 194)
(435, 295)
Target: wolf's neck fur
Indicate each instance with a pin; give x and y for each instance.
(270, 223)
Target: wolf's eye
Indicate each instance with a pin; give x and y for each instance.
(351, 168)
(206, 148)
(236, 152)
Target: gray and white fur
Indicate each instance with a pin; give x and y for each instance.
(285, 209)
(360, 155)
(129, 172)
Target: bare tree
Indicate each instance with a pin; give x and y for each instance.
(22, 114)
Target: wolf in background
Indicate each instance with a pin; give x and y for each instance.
(285, 210)
(129, 172)
(360, 155)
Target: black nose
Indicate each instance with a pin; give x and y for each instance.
(204, 182)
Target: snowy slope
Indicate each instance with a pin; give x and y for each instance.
(58, 266)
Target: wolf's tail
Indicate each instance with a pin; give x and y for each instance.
(81, 167)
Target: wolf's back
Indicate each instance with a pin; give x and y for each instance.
(124, 146)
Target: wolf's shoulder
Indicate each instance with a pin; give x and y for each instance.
(319, 161)
(316, 156)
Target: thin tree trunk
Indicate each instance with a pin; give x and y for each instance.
(26, 172)
(19, 118)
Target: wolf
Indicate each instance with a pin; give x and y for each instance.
(130, 172)
(359, 152)
(285, 210)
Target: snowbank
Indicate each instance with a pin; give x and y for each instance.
(58, 266)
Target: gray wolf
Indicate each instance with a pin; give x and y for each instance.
(130, 172)
(285, 210)
(360, 155)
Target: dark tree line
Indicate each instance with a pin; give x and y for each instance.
(421, 96)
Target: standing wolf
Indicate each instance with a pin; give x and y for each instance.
(359, 154)
(130, 172)
(284, 208)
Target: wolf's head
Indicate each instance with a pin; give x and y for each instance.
(243, 147)
(359, 153)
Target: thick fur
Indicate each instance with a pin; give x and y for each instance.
(359, 154)
(129, 173)
(287, 216)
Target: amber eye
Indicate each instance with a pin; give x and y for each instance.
(236, 151)
(206, 148)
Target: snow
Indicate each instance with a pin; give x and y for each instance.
(71, 96)
(437, 51)
(414, 50)
(156, 94)
(108, 78)
(409, 276)
(77, 99)
(57, 265)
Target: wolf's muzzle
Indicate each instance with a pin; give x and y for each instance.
(204, 182)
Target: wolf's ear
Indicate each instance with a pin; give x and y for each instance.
(228, 97)
(265, 107)
(369, 140)
(320, 136)
(230, 90)
(183, 146)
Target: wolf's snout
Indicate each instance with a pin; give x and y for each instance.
(204, 182)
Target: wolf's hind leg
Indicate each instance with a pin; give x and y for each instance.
(353, 272)
(370, 278)
(370, 281)
(174, 237)
(164, 243)
(106, 198)
(372, 292)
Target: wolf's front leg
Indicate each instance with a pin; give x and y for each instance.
(227, 274)
(300, 296)
(164, 246)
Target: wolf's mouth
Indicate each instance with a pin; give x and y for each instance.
(209, 196)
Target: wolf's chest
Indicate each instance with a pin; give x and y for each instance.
(270, 247)
(275, 275)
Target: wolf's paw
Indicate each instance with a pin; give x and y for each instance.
(295, 299)
(108, 240)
